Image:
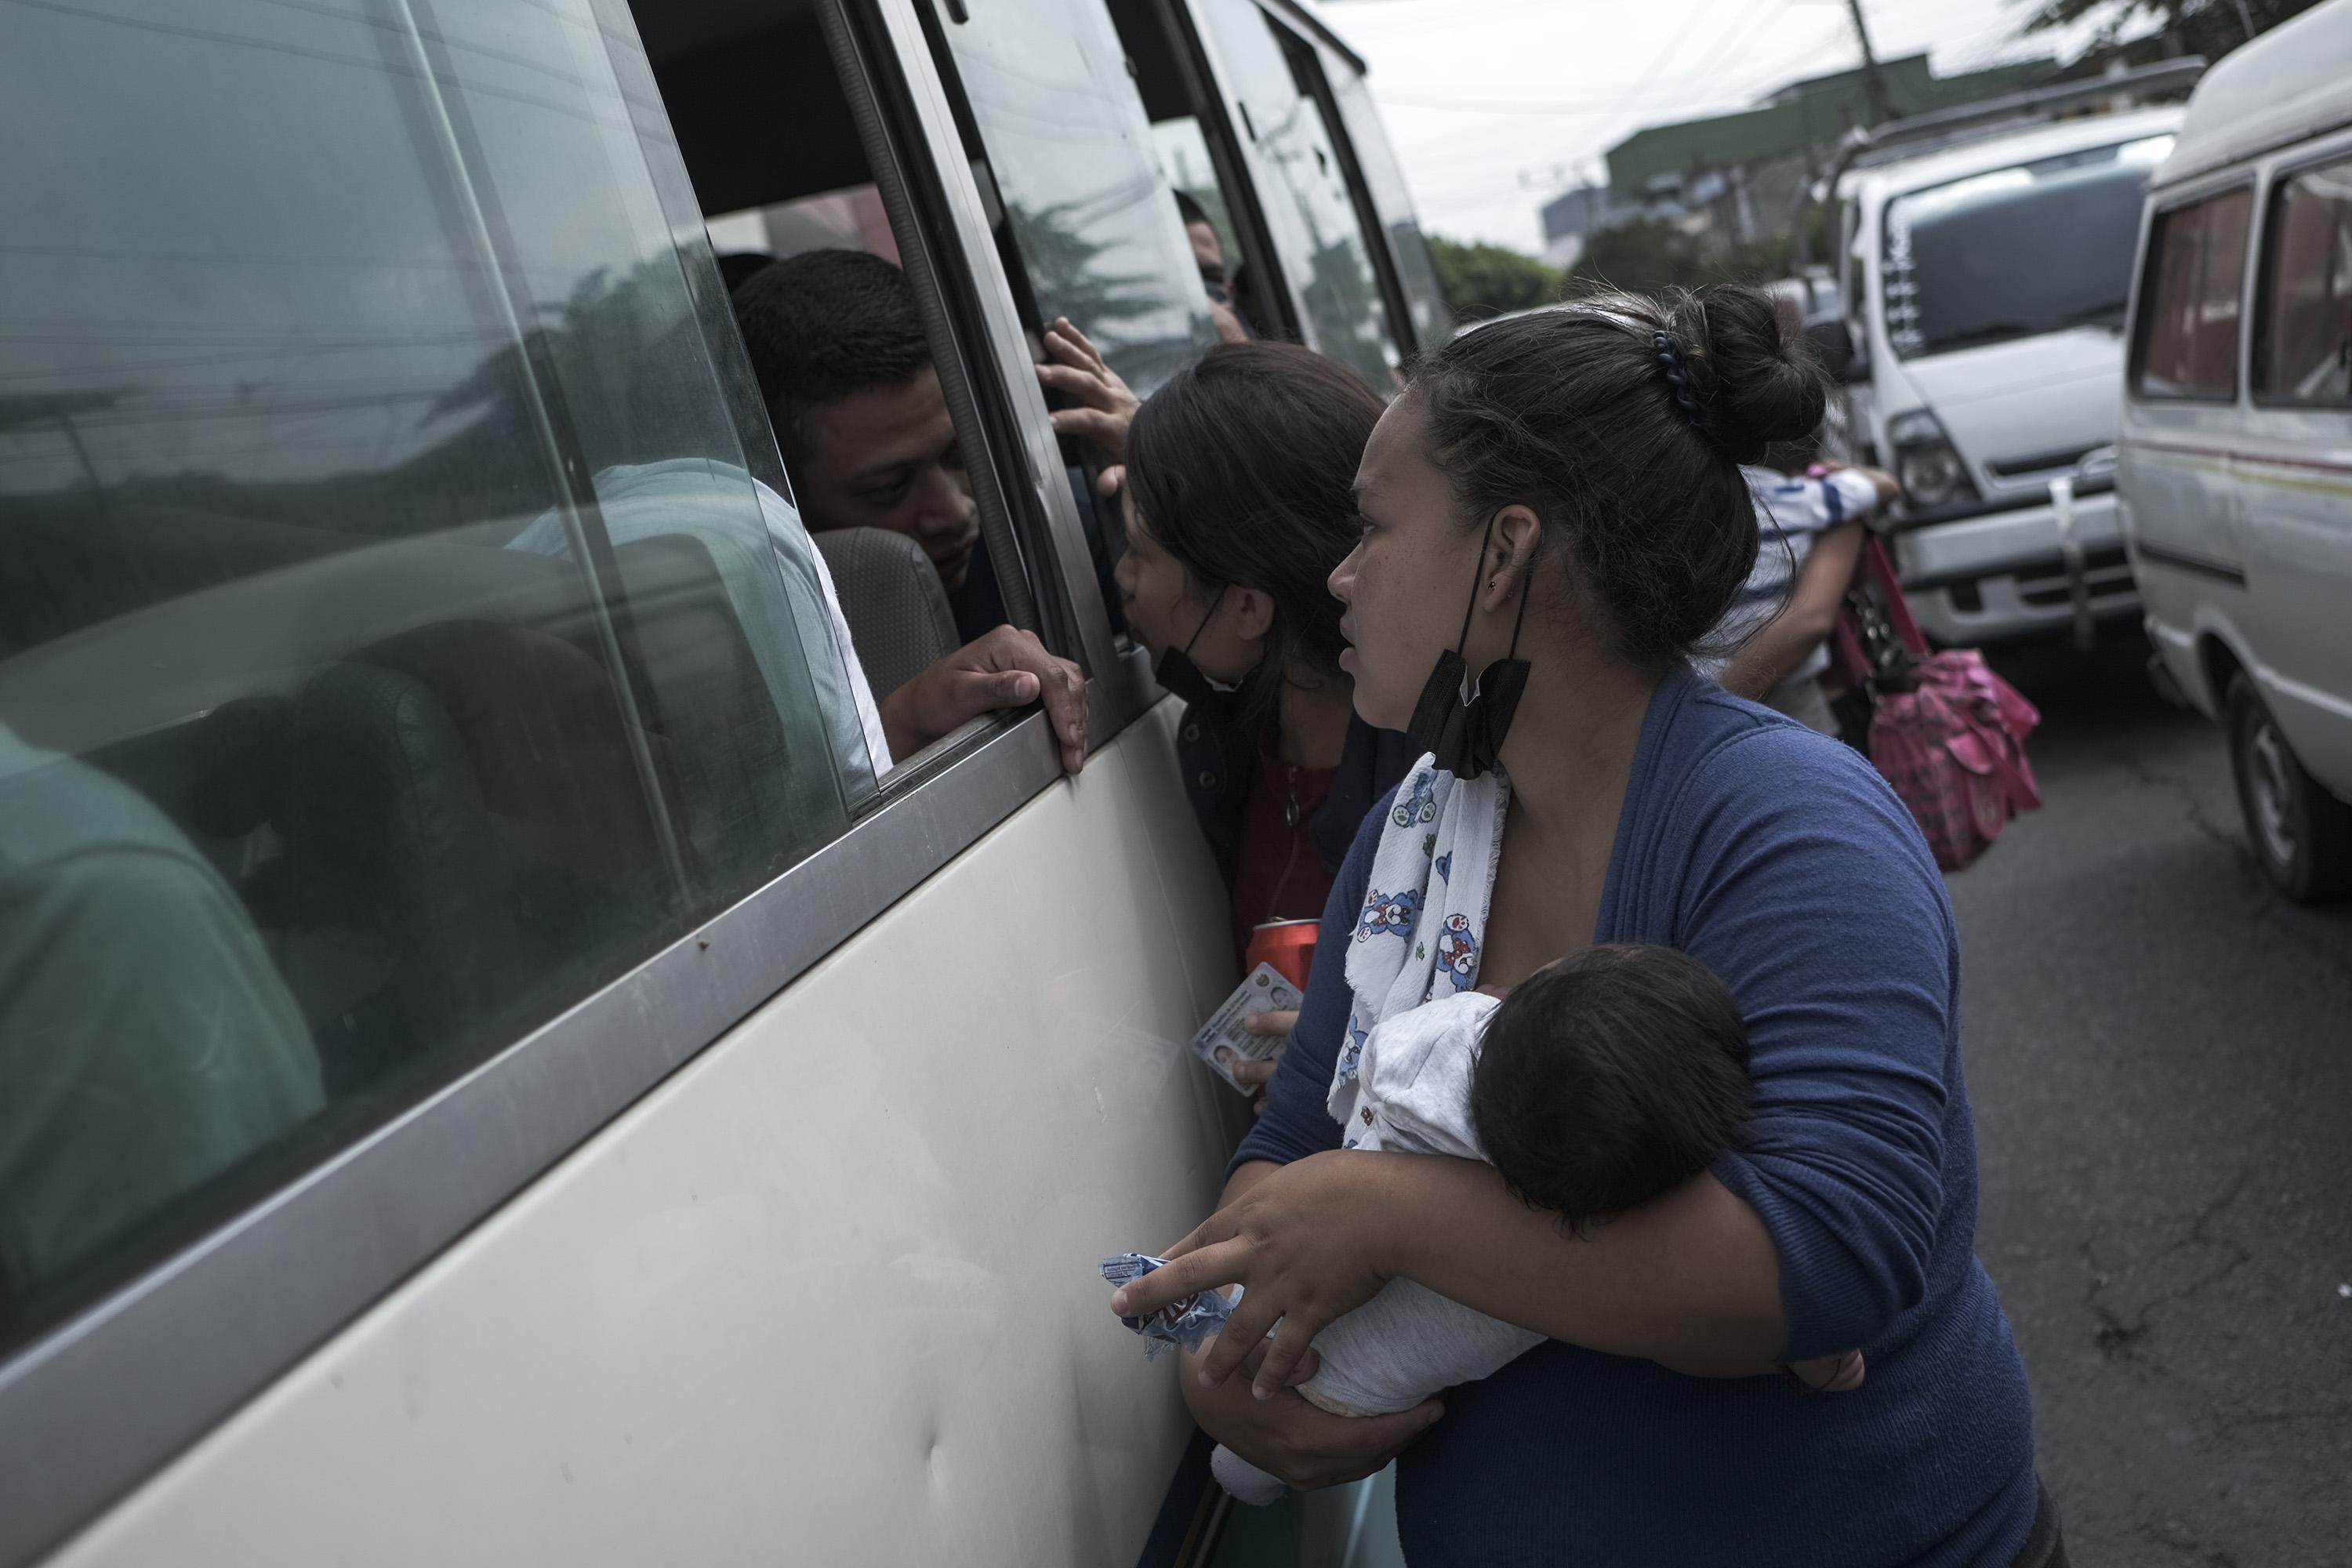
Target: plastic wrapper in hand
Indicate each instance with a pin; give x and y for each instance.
(1186, 1323)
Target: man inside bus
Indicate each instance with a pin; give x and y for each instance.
(847, 371)
(843, 362)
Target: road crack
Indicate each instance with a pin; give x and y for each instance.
(2119, 1338)
(2271, 909)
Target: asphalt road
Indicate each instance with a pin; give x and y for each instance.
(2159, 1052)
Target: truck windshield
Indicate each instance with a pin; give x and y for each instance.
(2016, 252)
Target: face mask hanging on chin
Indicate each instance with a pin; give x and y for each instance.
(1190, 684)
(1463, 729)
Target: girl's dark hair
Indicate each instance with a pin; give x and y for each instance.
(1573, 412)
(1243, 467)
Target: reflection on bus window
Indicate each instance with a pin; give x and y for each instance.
(1303, 190)
(1184, 158)
(1067, 146)
(394, 647)
(1432, 318)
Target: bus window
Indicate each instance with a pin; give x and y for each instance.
(394, 643)
(853, 381)
(1432, 318)
(1317, 229)
(1063, 140)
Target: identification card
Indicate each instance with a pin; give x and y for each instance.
(1225, 1044)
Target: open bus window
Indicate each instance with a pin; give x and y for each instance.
(394, 643)
(853, 219)
(850, 376)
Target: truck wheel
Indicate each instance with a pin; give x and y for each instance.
(2300, 834)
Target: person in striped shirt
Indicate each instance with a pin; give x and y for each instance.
(1777, 629)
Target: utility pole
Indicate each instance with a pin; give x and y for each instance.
(1873, 86)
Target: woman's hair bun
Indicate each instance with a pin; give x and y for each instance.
(1766, 384)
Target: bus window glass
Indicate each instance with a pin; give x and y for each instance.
(394, 648)
(2188, 323)
(1069, 150)
(1432, 318)
(1304, 190)
(1184, 158)
(2307, 291)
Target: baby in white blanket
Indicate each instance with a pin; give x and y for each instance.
(1607, 1080)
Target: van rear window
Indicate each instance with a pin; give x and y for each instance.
(2305, 347)
(2017, 252)
(2187, 343)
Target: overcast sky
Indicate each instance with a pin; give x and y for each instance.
(1495, 105)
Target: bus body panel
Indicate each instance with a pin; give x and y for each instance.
(829, 1292)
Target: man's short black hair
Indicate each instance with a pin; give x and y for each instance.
(1610, 1078)
(827, 323)
(1190, 209)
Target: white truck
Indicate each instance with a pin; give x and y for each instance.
(1985, 263)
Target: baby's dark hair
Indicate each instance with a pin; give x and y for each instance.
(1610, 1078)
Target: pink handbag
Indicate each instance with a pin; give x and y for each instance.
(1945, 731)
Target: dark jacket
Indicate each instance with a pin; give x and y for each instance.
(1783, 863)
(1220, 760)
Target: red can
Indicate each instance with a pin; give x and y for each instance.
(1287, 945)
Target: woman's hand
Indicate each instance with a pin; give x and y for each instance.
(1289, 1438)
(1254, 1075)
(1306, 1245)
(1105, 404)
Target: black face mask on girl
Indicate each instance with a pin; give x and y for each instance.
(1464, 732)
(1181, 678)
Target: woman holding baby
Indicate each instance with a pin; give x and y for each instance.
(1555, 505)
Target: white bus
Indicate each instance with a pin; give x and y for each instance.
(485, 1074)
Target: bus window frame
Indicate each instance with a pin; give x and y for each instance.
(101, 1402)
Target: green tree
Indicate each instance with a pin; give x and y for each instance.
(1651, 254)
(2208, 27)
(1490, 280)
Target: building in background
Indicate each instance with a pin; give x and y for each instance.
(1731, 181)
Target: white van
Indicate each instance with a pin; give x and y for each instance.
(556, 1104)
(2235, 467)
(1986, 263)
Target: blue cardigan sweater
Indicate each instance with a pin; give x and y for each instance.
(1776, 857)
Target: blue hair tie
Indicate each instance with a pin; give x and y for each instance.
(1670, 358)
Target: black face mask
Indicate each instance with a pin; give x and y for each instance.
(1181, 678)
(1466, 735)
